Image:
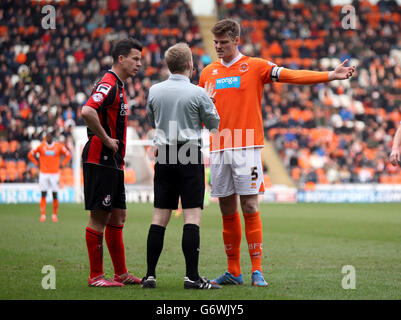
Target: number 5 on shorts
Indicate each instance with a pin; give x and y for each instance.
(254, 173)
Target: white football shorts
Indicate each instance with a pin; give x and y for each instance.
(237, 171)
(49, 182)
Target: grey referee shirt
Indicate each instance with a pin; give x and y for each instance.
(177, 108)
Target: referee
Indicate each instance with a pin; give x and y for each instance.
(177, 109)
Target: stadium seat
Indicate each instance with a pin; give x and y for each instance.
(3, 175)
(12, 174)
(13, 146)
(3, 146)
(67, 176)
(129, 176)
(309, 186)
(267, 181)
(11, 165)
(314, 108)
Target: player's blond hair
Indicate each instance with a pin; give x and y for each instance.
(177, 57)
(227, 27)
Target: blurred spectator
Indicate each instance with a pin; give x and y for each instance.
(48, 74)
(329, 133)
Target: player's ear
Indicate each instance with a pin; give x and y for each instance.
(236, 40)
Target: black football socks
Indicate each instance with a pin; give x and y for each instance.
(190, 248)
(154, 247)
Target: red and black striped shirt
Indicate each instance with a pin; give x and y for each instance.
(108, 99)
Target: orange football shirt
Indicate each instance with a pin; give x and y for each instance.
(239, 90)
(49, 156)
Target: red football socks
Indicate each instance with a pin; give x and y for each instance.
(232, 235)
(94, 242)
(115, 244)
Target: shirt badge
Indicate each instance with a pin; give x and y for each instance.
(243, 67)
(97, 97)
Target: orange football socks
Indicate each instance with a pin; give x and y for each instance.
(43, 205)
(55, 206)
(232, 234)
(253, 232)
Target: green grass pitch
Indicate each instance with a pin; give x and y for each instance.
(305, 248)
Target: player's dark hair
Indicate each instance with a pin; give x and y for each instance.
(123, 47)
(228, 27)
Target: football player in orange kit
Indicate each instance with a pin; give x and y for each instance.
(49, 153)
(236, 82)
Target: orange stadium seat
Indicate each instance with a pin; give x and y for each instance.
(67, 176)
(11, 164)
(34, 172)
(12, 174)
(129, 176)
(3, 175)
(13, 145)
(3, 146)
(296, 173)
(21, 164)
(3, 30)
(21, 168)
(309, 186)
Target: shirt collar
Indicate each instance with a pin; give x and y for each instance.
(239, 56)
(118, 79)
(176, 76)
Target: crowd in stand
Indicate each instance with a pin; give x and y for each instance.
(340, 132)
(328, 133)
(47, 74)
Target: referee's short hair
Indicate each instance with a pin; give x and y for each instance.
(177, 57)
(123, 47)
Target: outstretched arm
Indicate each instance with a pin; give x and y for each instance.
(341, 72)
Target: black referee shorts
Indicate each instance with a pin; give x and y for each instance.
(175, 177)
(103, 187)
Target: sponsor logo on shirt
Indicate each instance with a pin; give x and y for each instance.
(214, 72)
(229, 82)
(123, 109)
(123, 106)
(50, 153)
